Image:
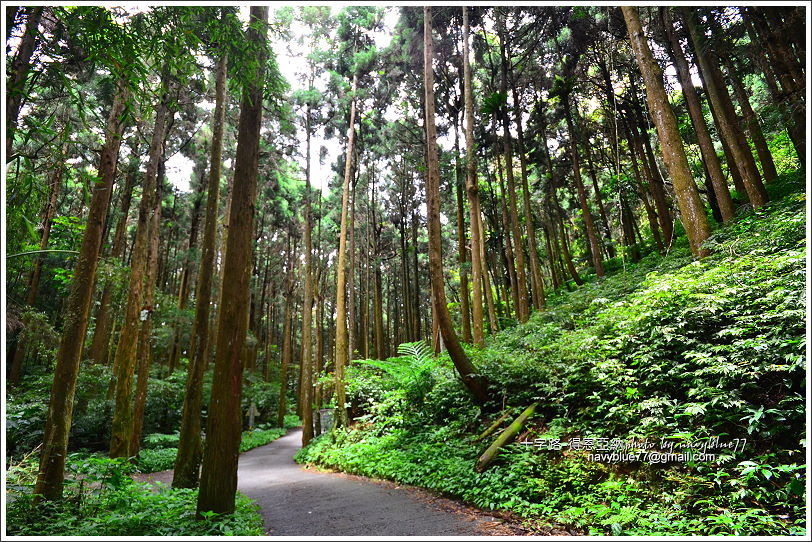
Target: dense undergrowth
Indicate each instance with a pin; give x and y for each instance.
(102, 499)
(661, 355)
(27, 403)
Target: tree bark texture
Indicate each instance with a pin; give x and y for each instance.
(145, 331)
(100, 346)
(48, 214)
(51, 474)
(751, 123)
(126, 352)
(726, 115)
(342, 339)
(478, 278)
(18, 73)
(522, 309)
(307, 309)
(187, 462)
(709, 156)
(693, 213)
(475, 383)
(592, 235)
(218, 477)
(287, 339)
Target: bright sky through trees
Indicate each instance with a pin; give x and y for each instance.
(288, 54)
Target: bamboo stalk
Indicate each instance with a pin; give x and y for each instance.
(504, 438)
(493, 427)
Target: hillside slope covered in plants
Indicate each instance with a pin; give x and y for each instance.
(668, 350)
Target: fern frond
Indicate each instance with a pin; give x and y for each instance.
(419, 352)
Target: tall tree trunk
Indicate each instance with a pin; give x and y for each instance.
(100, 345)
(287, 334)
(190, 451)
(656, 185)
(51, 474)
(522, 309)
(18, 73)
(380, 336)
(416, 311)
(607, 227)
(510, 260)
(465, 300)
(693, 211)
(318, 389)
(126, 352)
(612, 119)
(218, 476)
(11, 16)
(759, 54)
(552, 254)
(478, 278)
(751, 122)
(709, 157)
(34, 277)
(645, 182)
(793, 28)
(342, 339)
(48, 214)
(536, 280)
(405, 280)
(363, 295)
(555, 208)
(786, 69)
(436, 340)
(184, 288)
(597, 257)
(487, 287)
(475, 383)
(650, 212)
(565, 247)
(145, 332)
(627, 226)
(352, 327)
(726, 115)
(307, 308)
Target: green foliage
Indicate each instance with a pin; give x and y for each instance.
(783, 153)
(292, 420)
(101, 499)
(411, 371)
(38, 338)
(25, 420)
(669, 348)
(156, 460)
(165, 399)
(27, 407)
(160, 450)
(383, 390)
(264, 395)
(260, 437)
(156, 441)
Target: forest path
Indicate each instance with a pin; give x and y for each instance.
(304, 502)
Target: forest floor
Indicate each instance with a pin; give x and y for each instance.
(295, 501)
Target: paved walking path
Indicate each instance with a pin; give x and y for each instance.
(297, 501)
